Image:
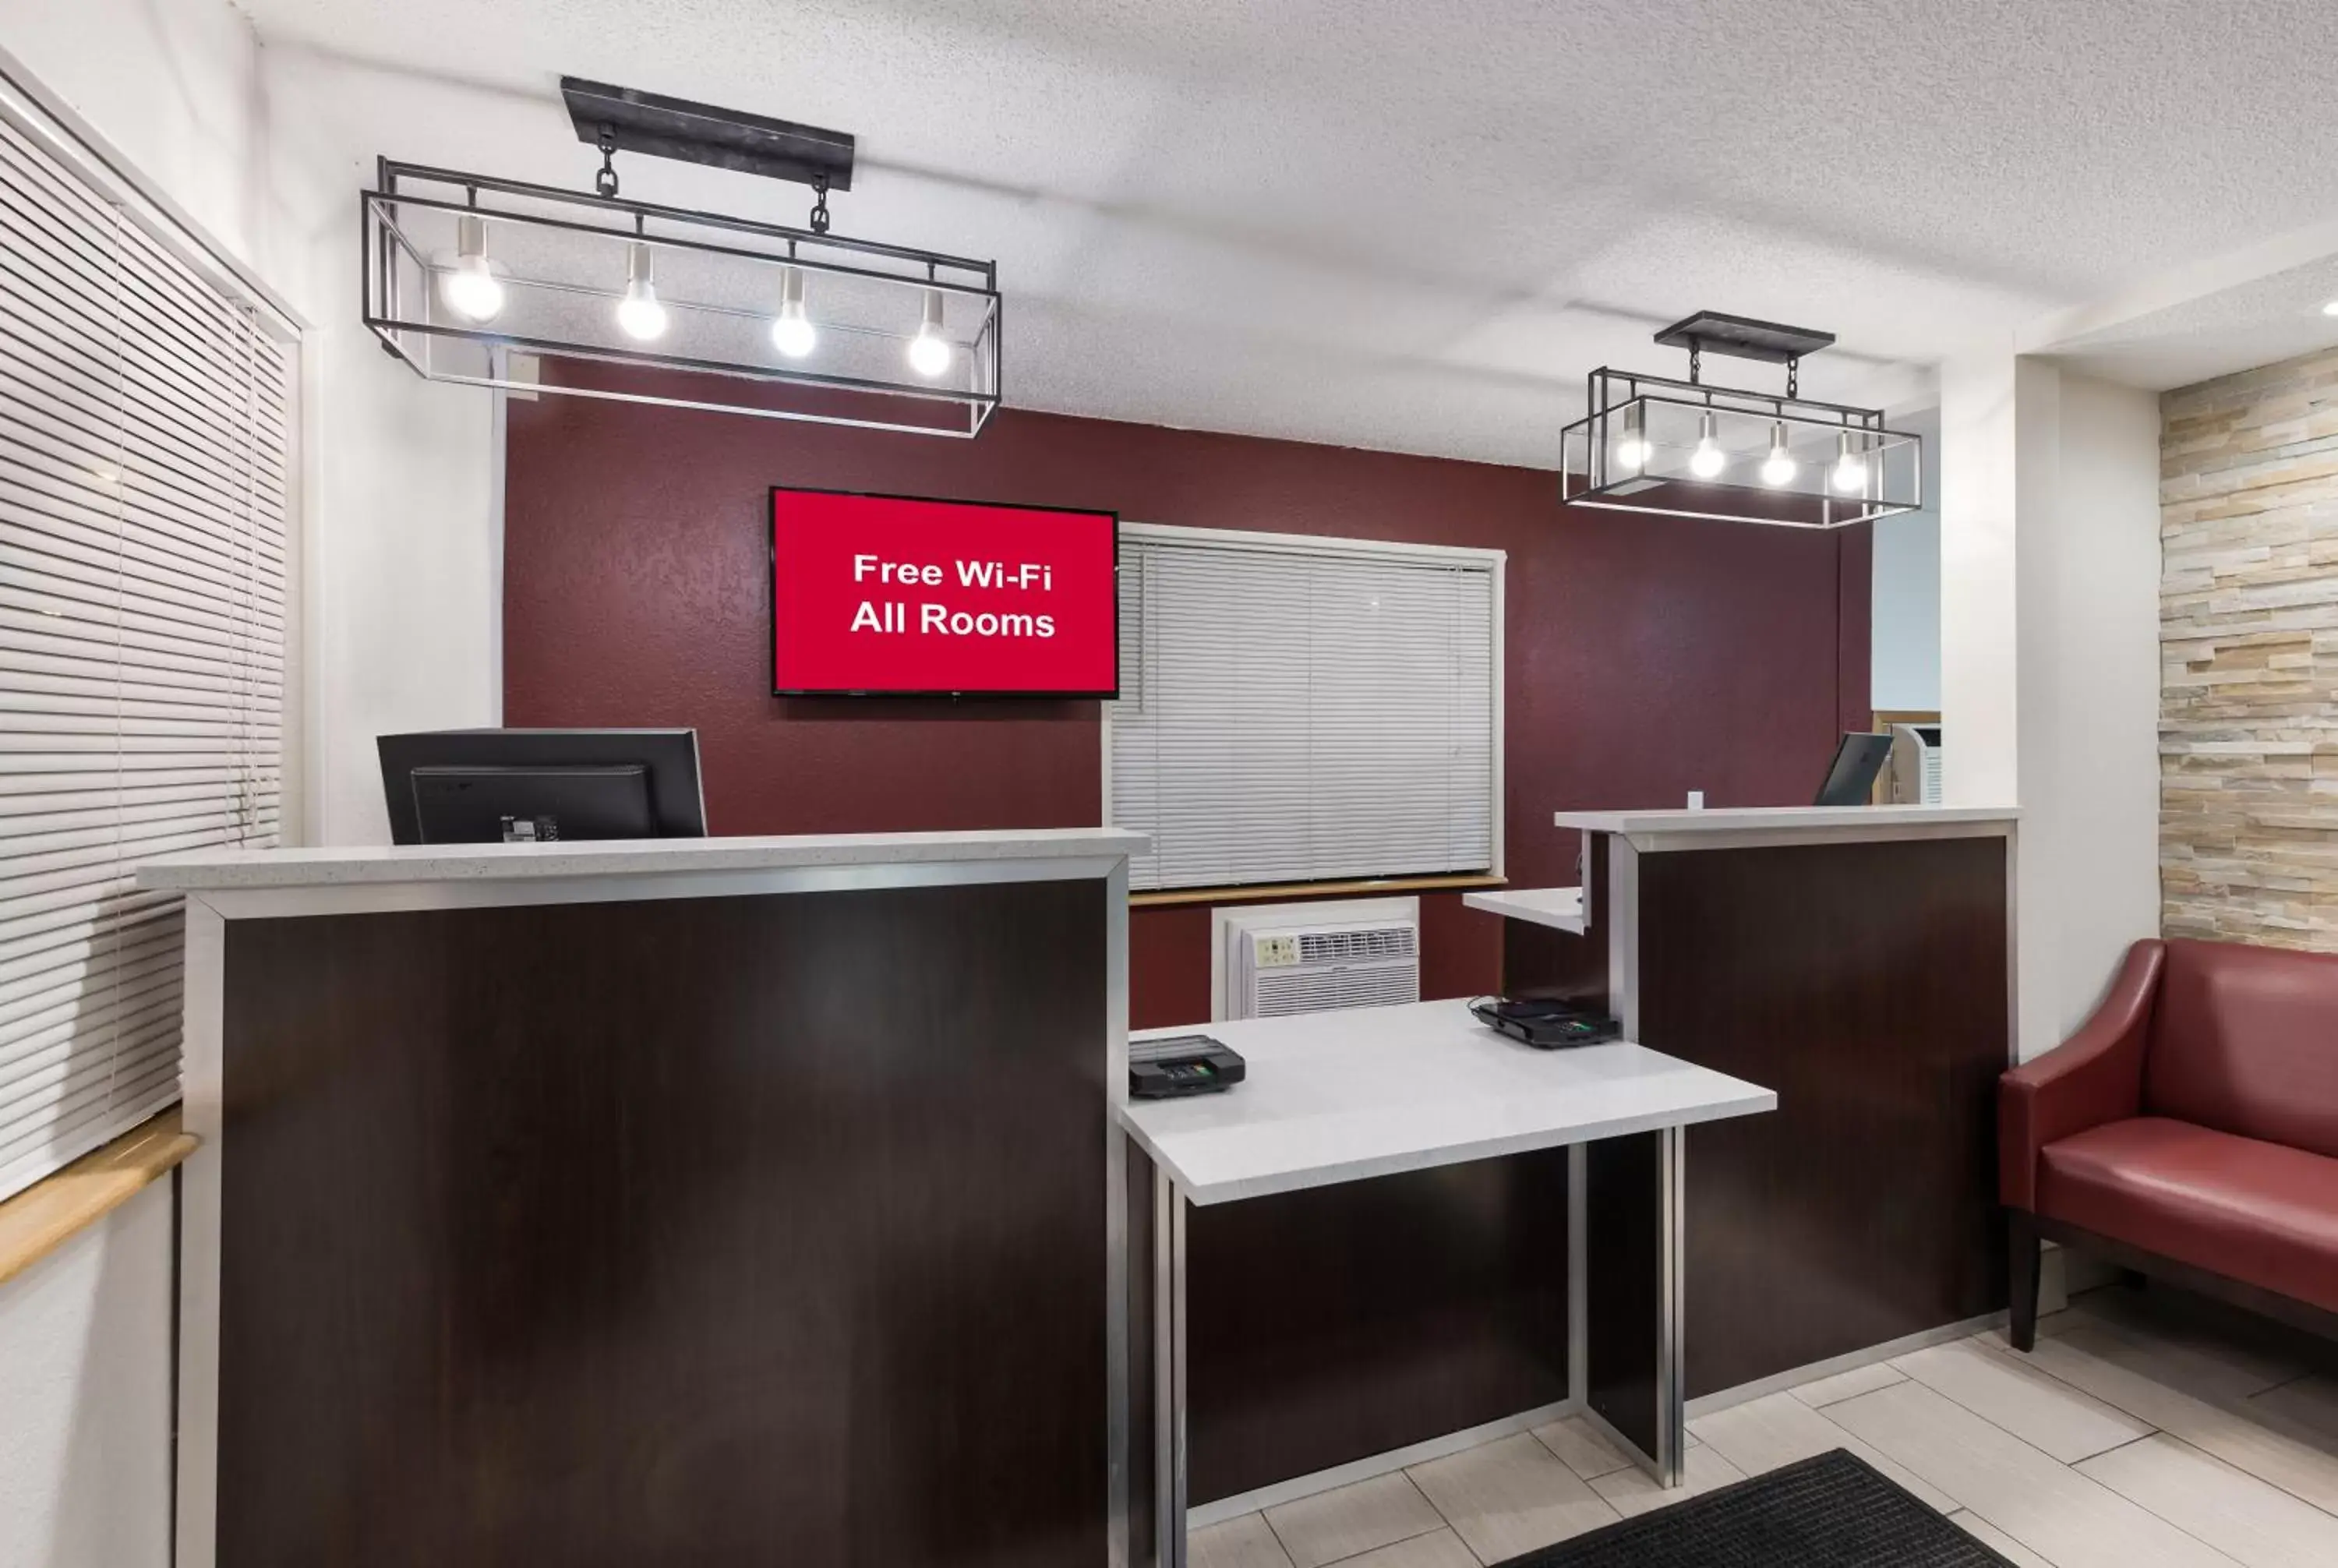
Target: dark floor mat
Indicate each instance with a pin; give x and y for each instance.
(1829, 1511)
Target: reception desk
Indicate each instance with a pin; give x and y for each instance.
(704, 1202)
(745, 1199)
(1857, 960)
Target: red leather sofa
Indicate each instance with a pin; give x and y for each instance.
(2189, 1131)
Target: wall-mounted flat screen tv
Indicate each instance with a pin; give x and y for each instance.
(900, 596)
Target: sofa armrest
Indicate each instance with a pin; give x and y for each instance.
(2093, 1077)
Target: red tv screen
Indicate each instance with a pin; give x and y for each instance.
(901, 596)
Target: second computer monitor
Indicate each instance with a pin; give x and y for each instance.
(1858, 760)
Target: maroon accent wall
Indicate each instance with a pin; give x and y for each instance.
(1645, 657)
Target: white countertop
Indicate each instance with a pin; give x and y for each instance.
(206, 870)
(1561, 908)
(1850, 819)
(1369, 1091)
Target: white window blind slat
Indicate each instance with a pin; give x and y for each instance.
(1293, 714)
(144, 384)
(24, 550)
(134, 786)
(25, 979)
(105, 916)
(77, 1083)
(40, 674)
(184, 501)
(144, 433)
(135, 1091)
(50, 1045)
(95, 264)
(90, 512)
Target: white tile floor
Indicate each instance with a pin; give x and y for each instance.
(2132, 1436)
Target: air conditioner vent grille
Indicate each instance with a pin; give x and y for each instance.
(1283, 992)
(1341, 947)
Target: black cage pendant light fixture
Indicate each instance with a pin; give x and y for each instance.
(1692, 449)
(493, 282)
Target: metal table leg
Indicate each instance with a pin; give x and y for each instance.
(1671, 1372)
(1169, 1208)
(1628, 1355)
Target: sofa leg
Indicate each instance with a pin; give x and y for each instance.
(2021, 1239)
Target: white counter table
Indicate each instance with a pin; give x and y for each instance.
(1368, 1093)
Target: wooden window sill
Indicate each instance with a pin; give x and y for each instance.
(1368, 888)
(42, 1218)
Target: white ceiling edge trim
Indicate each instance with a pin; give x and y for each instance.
(2069, 329)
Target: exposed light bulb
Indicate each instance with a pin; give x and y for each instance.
(1849, 475)
(792, 331)
(929, 351)
(1708, 460)
(1779, 468)
(2331, 309)
(470, 287)
(639, 314)
(1633, 452)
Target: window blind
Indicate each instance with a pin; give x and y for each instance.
(1304, 711)
(144, 431)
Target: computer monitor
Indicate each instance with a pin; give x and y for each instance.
(542, 786)
(1858, 759)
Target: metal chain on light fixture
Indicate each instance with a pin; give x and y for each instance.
(605, 181)
(1794, 378)
(820, 204)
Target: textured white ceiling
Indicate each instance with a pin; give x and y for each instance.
(1417, 225)
(2245, 323)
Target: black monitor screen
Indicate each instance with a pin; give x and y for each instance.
(531, 805)
(541, 786)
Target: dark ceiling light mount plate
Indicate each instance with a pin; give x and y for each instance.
(666, 127)
(1743, 338)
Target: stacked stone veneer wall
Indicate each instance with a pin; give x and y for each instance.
(2248, 497)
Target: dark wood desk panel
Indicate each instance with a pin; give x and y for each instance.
(1334, 1324)
(712, 1232)
(1866, 982)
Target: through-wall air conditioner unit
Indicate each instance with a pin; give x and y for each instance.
(1281, 959)
(1915, 764)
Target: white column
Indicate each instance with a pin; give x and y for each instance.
(2049, 679)
(1980, 695)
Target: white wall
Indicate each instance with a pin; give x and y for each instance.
(1904, 642)
(175, 87)
(2091, 695)
(86, 1397)
(403, 496)
(2050, 660)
